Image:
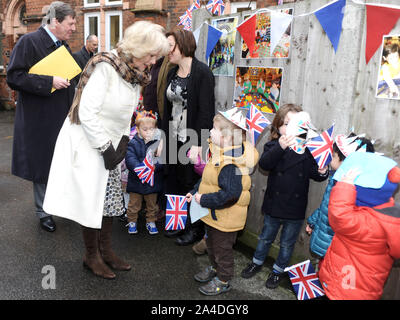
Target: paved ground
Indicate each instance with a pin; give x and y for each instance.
(161, 269)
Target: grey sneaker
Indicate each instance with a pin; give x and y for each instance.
(206, 275)
(215, 287)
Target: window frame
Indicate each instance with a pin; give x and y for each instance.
(114, 3)
(86, 26)
(90, 5)
(108, 15)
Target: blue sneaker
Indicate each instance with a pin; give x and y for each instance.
(132, 229)
(151, 227)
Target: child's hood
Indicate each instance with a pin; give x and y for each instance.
(389, 220)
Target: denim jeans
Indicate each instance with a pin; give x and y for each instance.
(290, 232)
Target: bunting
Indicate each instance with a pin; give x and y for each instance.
(380, 21)
(279, 23)
(216, 7)
(185, 20)
(247, 30)
(212, 38)
(331, 19)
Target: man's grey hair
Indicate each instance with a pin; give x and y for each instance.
(58, 10)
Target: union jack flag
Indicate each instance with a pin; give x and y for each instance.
(176, 212)
(185, 20)
(256, 123)
(145, 171)
(216, 7)
(321, 147)
(305, 281)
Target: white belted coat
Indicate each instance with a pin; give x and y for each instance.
(77, 182)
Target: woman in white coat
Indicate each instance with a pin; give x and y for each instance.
(84, 182)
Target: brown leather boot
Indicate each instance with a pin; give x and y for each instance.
(92, 259)
(106, 251)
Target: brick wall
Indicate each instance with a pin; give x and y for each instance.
(169, 18)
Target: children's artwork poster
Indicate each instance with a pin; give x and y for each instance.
(388, 86)
(263, 38)
(222, 56)
(260, 86)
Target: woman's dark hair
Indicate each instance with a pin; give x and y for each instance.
(280, 118)
(185, 41)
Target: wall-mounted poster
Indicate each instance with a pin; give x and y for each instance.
(263, 38)
(260, 86)
(223, 54)
(389, 73)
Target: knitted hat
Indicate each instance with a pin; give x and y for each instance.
(369, 197)
(378, 178)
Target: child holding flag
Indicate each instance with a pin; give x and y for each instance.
(286, 197)
(146, 142)
(224, 190)
(317, 223)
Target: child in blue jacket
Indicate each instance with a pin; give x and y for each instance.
(147, 140)
(318, 223)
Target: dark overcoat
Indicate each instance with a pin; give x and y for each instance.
(82, 57)
(39, 113)
(137, 150)
(288, 180)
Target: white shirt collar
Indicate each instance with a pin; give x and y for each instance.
(52, 36)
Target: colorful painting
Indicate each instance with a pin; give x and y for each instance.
(388, 86)
(263, 39)
(223, 54)
(259, 86)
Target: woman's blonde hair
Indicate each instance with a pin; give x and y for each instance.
(143, 38)
(228, 128)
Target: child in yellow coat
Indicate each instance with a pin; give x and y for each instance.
(224, 190)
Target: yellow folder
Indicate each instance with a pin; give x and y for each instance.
(58, 63)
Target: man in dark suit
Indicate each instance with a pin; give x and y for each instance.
(40, 114)
(87, 51)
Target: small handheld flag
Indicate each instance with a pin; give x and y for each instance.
(256, 123)
(305, 281)
(176, 212)
(145, 171)
(321, 147)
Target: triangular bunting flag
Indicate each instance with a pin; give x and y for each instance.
(380, 21)
(247, 30)
(279, 23)
(212, 38)
(331, 18)
(196, 34)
